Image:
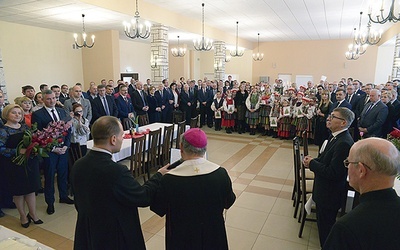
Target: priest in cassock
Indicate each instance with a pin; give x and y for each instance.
(194, 196)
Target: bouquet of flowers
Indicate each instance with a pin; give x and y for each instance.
(394, 137)
(41, 142)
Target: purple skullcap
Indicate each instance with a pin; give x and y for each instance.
(196, 137)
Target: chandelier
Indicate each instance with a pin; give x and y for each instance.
(83, 36)
(237, 52)
(258, 56)
(178, 51)
(202, 44)
(356, 50)
(136, 29)
(380, 19)
(371, 37)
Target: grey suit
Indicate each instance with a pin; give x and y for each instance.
(87, 107)
(373, 119)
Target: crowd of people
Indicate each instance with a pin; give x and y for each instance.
(347, 110)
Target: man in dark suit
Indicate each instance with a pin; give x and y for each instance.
(187, 101)
(124, 103)
(168, 100)
(341, 102)
(193, 90)
(373, 165)
(354, 100)
(330, 173)
(357, 89)
(64, 93)
(103, 104)
(205, 99)
(139, 104)
(57, 162)
(107, 195)
(373, 116)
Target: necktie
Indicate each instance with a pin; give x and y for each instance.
(161, 93)
(54, 115)
(350, 98)
(126, 100)
(142, 95)
(369, 108)
(105, 105)
(366, 100)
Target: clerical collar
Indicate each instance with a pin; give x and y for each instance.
(194, 167)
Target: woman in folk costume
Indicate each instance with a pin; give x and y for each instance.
(265, 111)
(252, 114)
(296, 118)
(274, 115)
(303, 117)
(284, 119)
(228, 118)
(217, 107)
(311, 117)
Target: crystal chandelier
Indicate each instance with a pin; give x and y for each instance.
(238, 51)
(355, 50)
(371, 37)
(83, 36)
(381, 19)
(202, 44)
(258, 56)
(137, 29)
(178, 51)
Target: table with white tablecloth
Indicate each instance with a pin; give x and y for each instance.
(125, 151)
(10, 239)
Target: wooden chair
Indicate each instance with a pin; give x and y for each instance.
(153, 150)
(295, 144)
(308, 173)
(181, 130)
(178, 116)
(194, 122)
(127, 123)
(137, 167)
(165, 155)
(306, 191)
(74, 154)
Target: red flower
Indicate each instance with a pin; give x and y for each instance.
(60, 140)
(49, 140)
(395, 133)
(65, 133)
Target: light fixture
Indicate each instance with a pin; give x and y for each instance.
(228, 58)
(355, 50)
(202, 44)
(218, 65)
(237, 52)
(258, 56)
(136, 29)
(371, 37)
(380, 19)
(83, 36)
(153, 62)
(178, 51)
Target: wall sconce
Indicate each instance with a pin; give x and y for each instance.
(228, 58)
(153, 62)
(218, 65)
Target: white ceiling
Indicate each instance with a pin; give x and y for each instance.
(275, 20)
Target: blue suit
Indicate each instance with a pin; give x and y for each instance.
(373, 119)
(166, 114)
(205, 109)
(124, 108)
(55, 163)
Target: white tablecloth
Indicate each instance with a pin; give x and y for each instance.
(126, 144)
(6, 233)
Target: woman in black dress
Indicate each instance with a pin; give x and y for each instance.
(240, 102)
(321, 131)
(23, 181)
(154, 111)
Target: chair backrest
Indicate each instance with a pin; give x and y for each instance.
(137, 156)
(305, 143)
(178, 116)
(127, 123)
(181, 130)
(153, 149)
(194, 122)
(74, 153)
(167, 144)
(297, 165)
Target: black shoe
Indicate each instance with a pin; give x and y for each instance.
(39, 221)
(50, 209)
(66, 200)
(26, 225)
(2, 214)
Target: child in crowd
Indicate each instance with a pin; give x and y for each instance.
(217, 107)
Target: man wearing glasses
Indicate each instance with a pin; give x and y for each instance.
(329, 187)
(373, 164)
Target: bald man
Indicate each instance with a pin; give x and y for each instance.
(373, 164)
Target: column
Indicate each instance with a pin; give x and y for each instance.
(159, 53)
(3, 79)
(219, 60)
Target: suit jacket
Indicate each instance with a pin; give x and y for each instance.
(63, 98)
(204, 96)
(330, 173)
(106, 199)
(343, 104)
(138, 103)
(374, 119)
(87, 107)
(355, 99)
(98, 108)
(333, 97)
(43, 118)
(123, 108)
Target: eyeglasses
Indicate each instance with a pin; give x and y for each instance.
(347, 163)
(79, 111)
(332, 116)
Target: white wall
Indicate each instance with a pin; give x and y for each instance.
(135, 56)
(384, 62)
